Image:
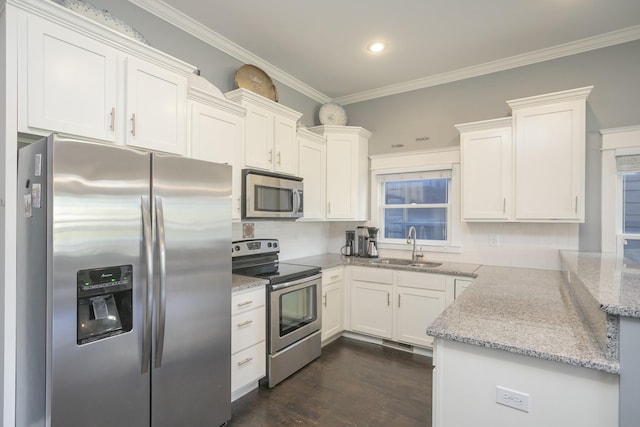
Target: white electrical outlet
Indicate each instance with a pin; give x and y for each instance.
(493, 240)
(512, 398)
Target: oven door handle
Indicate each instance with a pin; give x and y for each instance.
(301, 281)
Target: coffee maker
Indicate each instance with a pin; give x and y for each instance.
(362, 240)
(349, 247)
(372, 243)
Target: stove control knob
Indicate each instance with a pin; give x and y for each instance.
(268, 244)
(237, 248)
(275, 245)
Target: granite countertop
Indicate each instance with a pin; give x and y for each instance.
(523, 311)
(615, 288)
(326, 261)
(241, 283)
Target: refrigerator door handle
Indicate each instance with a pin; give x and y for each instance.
(148, 306)
(162, 301)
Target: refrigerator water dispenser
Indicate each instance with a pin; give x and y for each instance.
(104, 302)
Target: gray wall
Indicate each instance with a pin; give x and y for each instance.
(400, 119)
(216, 66)
(615, 101)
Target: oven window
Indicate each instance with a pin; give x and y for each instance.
(273, 199)
(297, 309)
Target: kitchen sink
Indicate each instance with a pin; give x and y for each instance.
(406, 262)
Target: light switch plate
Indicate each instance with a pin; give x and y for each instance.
(512, 398)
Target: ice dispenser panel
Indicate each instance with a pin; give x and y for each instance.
(104, 302)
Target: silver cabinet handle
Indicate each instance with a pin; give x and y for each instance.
(279, 158)
(162, 285)
(245, 323)
(245, 361)
(576, 204)
(324, 300)
(336, 277)
(270, 160)
(113, 118)
(242, 304)
(504, 205)
(133, 124)
(148, 305)
(388, 299)
(398, 300)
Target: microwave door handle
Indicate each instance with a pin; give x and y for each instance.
(296, 201)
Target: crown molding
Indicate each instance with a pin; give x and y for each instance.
(196, 29)
(559, 51)
(191, 26)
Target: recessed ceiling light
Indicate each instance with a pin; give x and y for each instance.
(376, 47)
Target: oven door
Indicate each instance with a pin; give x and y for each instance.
(294, 311)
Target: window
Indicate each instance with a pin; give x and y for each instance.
(631, 217)
(418, 199)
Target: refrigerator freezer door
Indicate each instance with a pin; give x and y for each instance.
(92, 221)
(191, 377)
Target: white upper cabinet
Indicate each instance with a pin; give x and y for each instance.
(485, 158)
(156, 108)
(549, 156)
(270, 133)
(83, 79)
(312, 163)
(215, 132)
(347, 172)
(69, 84)
(529, 167)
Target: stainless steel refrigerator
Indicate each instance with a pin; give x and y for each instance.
(124, 287)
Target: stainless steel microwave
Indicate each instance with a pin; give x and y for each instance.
(268, 195)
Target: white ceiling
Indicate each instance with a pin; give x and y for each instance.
(319, 47)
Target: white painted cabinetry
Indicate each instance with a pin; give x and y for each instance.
(312, 163)
(68, 82)
(270, 133)
(248, 340)
(529, 167)
(371, 308)
(485, 158)
(397, 305)
(460, 286)
(332, 303)
(215, 132)
(549, 156)
(85, 80)
(420, 298)
(347, 171)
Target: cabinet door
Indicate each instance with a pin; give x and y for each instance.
(341, 164)
(313, 167)
(371, 311)
(216, 136)
(332, 310)
(416, 310)
(549, 162)
(156, 108)
(258, 152)
(486, 174)
(285, 146)
(71, 82)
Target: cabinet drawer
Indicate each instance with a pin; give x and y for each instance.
(372, 274)
(248, 366)
(410, 279)
(245, 301)
(332, 275)
(248, 329)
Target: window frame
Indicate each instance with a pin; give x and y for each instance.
(382, 178)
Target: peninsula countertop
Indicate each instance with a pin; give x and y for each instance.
(523, 311)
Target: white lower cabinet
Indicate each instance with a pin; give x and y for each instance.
(332, 303)
(248, 340)
(371, 308)
(397, 305)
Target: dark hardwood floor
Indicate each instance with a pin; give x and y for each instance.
(351, 384)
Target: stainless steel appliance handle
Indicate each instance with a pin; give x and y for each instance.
(148, 305)
(303, 281)
(296, 201)
(162, 288)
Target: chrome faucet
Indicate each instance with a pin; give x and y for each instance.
(413, 252)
